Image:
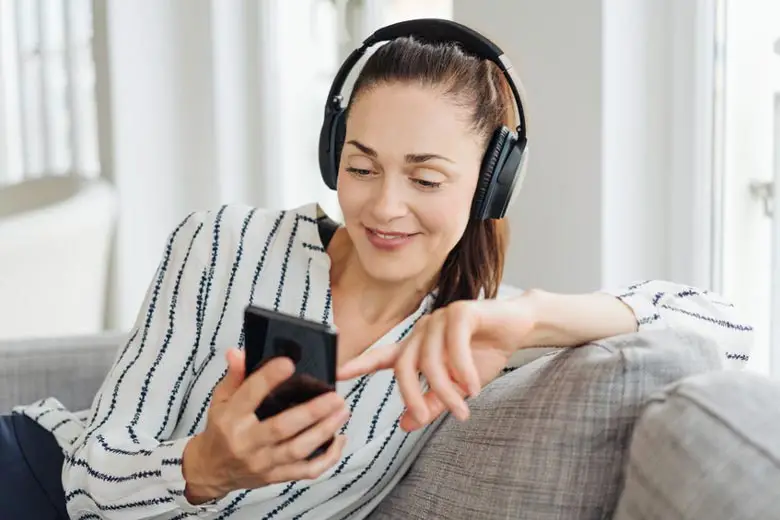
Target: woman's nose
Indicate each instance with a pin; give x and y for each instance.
(388, 202)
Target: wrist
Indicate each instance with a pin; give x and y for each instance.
(537, 307)
(568, 320)
(199, 488)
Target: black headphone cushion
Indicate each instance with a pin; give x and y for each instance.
(496, 148)
(331, 142)
(339, 133)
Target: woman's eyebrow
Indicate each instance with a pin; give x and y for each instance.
(422, 157)
(410, 157)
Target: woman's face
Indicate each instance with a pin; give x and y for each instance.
(407, 176)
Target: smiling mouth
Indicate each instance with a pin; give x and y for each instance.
(389, 235)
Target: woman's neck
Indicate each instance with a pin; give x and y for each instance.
(377, 302)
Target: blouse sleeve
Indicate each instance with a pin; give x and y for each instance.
(126, 464)
(660, 304)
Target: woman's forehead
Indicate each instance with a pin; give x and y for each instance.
(408, 118)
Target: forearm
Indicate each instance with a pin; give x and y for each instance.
(567, 320)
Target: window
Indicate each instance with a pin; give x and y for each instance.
(47, 89)
(747, 161)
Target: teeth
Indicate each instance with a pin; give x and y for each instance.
(388, 237)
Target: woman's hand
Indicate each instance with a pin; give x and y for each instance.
(461, 347)
(236, 451)
(458, 349)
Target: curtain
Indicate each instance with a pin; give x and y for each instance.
(207, 102)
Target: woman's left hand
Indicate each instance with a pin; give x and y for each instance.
(458, 348)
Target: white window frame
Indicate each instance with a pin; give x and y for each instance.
(743, 138)
(774, 337)
(694, 228)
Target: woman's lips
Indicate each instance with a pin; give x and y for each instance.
(388, 240)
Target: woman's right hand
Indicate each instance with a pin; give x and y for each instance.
(237, 451)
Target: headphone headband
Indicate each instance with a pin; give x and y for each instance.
(503, 163)
(433, 30)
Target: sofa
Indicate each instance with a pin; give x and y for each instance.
(642, 426)
(67, 218)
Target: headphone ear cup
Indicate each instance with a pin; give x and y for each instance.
(331, 142)
(490, 164)
(339, 134)
(520, 172)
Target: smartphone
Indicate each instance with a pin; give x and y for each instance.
(311, 346)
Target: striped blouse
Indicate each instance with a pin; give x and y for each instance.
(123, 457)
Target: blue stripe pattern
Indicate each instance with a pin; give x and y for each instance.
(209, 280)
(119, 507)
(306, 291)
(285, 263)
(714, 321)
(212, 346)
(149, 316)
(166, 342)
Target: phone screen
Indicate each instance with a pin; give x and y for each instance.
(310, 345)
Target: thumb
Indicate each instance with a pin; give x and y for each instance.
(234, 376)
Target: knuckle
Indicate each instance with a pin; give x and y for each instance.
(256, 465)
(458, 309)
(276, 428)
(297, 451)
(426, 363)
(423, 322)
(222, 429)
(233, 451)
(314, 471)
(339, 403)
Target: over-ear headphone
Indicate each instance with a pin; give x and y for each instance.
(504, 162)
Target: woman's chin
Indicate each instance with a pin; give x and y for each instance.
(388, 270)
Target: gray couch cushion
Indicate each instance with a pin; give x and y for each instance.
(548, 440)
(707, 448)
(69, 368)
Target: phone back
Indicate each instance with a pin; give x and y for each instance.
(310, 345)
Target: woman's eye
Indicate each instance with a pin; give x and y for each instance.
(360, 172)
(427, 184)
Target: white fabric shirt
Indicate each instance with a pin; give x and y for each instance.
(123, 457)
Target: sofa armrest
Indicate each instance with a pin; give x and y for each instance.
(69, 368)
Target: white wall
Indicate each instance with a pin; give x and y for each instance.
(597, 209)
(556, 223)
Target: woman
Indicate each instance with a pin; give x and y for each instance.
(172, 432)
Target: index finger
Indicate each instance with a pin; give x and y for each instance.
(259, 384)
(378, 358)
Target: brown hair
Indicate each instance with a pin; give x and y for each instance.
(475, 266)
